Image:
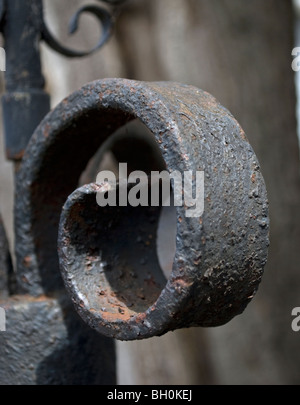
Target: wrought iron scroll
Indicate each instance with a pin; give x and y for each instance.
(105, 19)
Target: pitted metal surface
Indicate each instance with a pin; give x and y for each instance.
(46, 343)
(219, 257)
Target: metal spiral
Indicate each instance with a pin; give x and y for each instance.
(105, 18)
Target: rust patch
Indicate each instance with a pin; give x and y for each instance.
(180, 282)
(140, 317)
(113, 317)
(46, 130)
(27, 261)
(243, 135)
(14, 156)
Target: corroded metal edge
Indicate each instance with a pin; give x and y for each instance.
(219, 258)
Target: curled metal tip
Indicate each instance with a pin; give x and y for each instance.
(106, 22)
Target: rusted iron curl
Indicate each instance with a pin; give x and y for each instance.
(108, 255)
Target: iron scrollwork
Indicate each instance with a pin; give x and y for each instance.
(105, 19)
